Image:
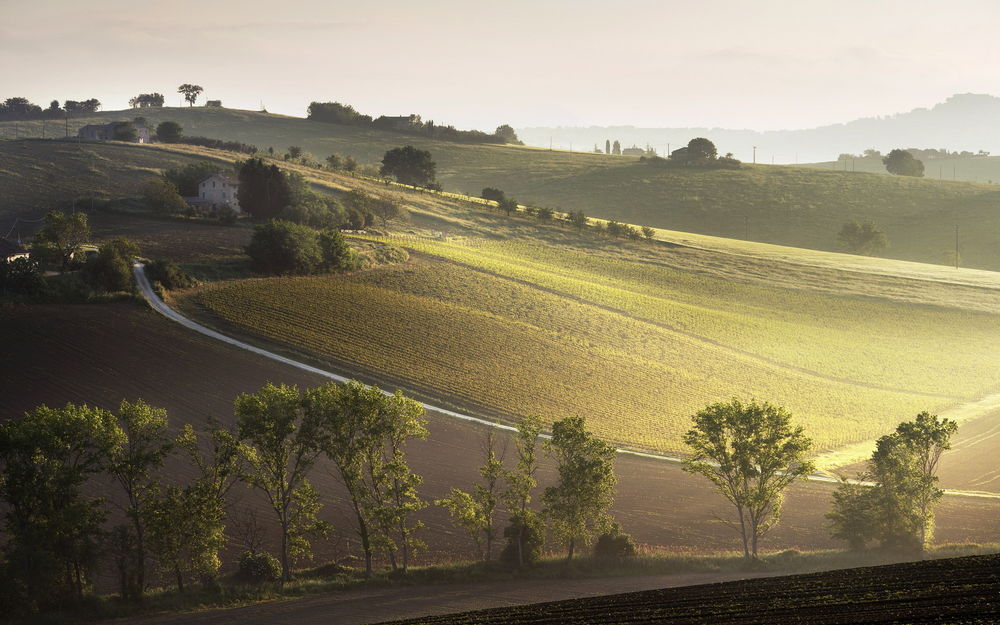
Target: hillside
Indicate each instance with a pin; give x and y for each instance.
(957, 591)
(674, 327)
(786, 205)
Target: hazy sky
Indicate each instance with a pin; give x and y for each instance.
(765, 64)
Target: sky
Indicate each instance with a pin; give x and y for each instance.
(762, 65)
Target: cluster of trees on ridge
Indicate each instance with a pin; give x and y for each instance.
(21, 108)
(346, 115)
(57, 535)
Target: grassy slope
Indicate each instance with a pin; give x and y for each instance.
(786, 205)
(648, 333)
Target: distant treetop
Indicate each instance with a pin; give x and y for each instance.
(345, 114)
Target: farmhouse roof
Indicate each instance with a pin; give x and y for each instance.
(223, 178)
(9, 248)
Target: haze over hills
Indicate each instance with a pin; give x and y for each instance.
(962, 122)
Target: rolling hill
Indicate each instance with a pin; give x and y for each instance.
(794, 206)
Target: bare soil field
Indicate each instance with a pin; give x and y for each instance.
(956, 591)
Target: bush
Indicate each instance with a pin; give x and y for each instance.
(161, 195)
(528, 530)
(258, 568)
(284, 248)
(390, 254)
(337, 254)
(167, 273)
(111, 269)
(227, 215)
(613, 547)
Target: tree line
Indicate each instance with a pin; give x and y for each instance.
(57, 533)
(345, 114)
(21, 108)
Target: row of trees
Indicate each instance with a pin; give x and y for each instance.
(22, 108)
(57, 532)
(145, 100)
(345, 114)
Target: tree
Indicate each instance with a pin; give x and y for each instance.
(387, 208)
(161, 195)
(506, 134)
(336, 251)
(52, 529)
(607, 146)
(616, 148)
(902, 163)
(579, 219)
(494, 195)
(187, 178)
(111, 269)
(862, 237)
(281, 442)
(20, 276)
(264, 189)
(904, 467)
(190, 92)
(475, 512)
(124, 131)
(335, 162)
(577, 506)
(64, 232)
(700, 150)
(186, 525)
(169, 131)
(648, 233)
(409, 165)
(294, 152)
(852, 517)
(284, 248)
(520, 484)
(751, 452)
(133, 465)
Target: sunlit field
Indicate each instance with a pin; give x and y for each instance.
(512, 328)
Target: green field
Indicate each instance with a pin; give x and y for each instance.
(512, 328)
(786, 205)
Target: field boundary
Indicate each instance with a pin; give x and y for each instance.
(157, 304)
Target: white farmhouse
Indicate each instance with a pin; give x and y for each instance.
(219, 190)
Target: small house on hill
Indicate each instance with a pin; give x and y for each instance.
(216, 191)
(10, 250)
(109, 132)
(633, 151)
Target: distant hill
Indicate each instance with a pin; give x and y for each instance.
(962, 122)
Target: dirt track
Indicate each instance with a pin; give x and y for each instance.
(356, 607)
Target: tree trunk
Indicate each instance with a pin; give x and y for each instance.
(180, 578)
(286, 571)
(572, 546)
(743, 535)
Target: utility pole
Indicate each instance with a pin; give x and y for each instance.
(956, 246)
(755, 155)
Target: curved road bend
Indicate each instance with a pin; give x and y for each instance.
(161, 307)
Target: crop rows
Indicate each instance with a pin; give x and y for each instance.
(955, 591)
(476, 339)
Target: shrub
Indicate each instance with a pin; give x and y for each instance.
(167, 273)
(161, 195)
(337, 254)
(111, 268)
(284, 248)
(258, 568)
(528, 530)
(390, 254)
(613, 547)
(227, 215)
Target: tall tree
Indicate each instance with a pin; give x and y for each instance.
(616, 148)
(52, 528)
(751, 452)
(475, 512)
(190, 92)
(133, 465)
(169, 131)
(521, 482)
(264, 189)
(409, 165)
(607, 146)
(65, 232)
(904, 468)
(281, 442)
(577, 506)
(701, 150)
